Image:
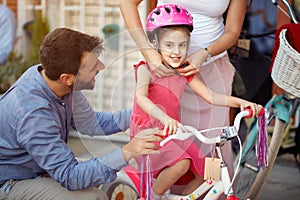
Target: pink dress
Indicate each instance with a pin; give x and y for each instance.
(166, 92)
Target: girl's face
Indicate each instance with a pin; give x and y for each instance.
(174, 46)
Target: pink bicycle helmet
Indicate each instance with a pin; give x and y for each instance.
(168, 15)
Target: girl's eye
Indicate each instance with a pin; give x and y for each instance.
(182, 45)
(169, 45)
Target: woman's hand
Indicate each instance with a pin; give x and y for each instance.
(155, 62)
(195, 61)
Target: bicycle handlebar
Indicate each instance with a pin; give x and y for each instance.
(228, 131)
(290, 10)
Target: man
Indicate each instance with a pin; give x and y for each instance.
(7, 32)
(37, 113)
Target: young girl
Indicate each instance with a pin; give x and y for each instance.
(157, 99)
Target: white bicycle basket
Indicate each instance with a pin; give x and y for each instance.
(286, 68)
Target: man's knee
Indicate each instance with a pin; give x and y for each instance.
(92, 194)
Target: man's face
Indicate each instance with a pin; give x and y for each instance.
(90, 66)
(174, 46)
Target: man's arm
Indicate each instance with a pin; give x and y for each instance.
(89, 122)
(40, 136)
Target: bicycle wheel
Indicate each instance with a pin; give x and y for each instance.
(248, 169)
(120, 190)
(250, 178)
(274, 146)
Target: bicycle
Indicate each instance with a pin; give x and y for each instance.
(128, 183)
(280, 110)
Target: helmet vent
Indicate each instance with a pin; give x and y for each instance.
(168, 9)
(157, 12)
(168, 15)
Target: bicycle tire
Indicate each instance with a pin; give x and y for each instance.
(121, 190)
(248, 170)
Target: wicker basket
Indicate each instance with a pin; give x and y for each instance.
(286, 68)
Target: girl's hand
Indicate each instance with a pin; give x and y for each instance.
(256, 108)
(171, 126)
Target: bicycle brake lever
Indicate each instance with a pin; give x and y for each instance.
(180, 135)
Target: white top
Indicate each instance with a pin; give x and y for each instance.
(207, 20)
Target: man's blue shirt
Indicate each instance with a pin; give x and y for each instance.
(34, 130)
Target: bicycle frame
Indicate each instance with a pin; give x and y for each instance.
(212, 189)
(215, 188)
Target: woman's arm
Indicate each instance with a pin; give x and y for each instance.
(142, 100)
(219, 99)
(131, 16)
(234, 22)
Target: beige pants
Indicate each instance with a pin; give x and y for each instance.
(43, 188)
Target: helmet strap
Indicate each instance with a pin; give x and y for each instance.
(157, 42)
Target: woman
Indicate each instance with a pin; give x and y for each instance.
(207, 56)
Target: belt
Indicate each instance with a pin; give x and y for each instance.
(6, 186)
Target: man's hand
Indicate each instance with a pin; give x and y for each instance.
(144, 142)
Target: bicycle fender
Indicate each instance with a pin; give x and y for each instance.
(282, 108)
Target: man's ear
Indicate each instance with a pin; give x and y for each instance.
(68, 79)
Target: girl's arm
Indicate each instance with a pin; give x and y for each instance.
(142, 100)
(234, 22)
(219, 99)
(130, 13)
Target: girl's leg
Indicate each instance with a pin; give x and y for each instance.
(168, 176)
(191, 186)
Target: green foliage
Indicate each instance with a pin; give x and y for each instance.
(16, 65)
(40, 30)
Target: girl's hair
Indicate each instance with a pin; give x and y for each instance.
(161, 30)
(62, 50)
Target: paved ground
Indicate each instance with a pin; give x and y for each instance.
(283, 182)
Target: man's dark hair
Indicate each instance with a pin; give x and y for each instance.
(62, 50)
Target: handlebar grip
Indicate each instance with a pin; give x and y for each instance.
(250, 111)
(262, 111)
